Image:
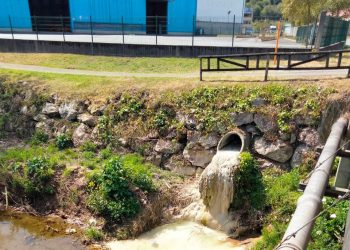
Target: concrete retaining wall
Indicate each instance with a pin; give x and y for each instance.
(28, 46)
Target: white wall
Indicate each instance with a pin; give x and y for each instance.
(216, 10)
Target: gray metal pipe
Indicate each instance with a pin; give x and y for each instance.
(346, 241)
(309, 204)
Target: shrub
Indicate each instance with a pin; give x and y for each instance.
(105, 153)
(39, 137)
(249, 183)
(89, 146)
(330, 226)
(63, 142)
(112, 193)
(39, 175)
(94, 234)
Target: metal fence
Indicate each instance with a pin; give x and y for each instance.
(190, 26)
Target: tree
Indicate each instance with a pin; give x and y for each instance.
(301, 12)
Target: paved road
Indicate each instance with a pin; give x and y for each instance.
(245, 74)
(220, 41)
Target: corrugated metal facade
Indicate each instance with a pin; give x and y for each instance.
(19, 12)
(179, 20)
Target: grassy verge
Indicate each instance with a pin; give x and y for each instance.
(104, 63)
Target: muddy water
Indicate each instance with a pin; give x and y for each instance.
(181, 236)
(23, 232)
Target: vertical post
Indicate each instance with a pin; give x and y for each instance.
(156, 30)
(349, 73)
(123, 29)
(247, 62)
(233, 29)
(92, 36)
(218, 63)
(340, 57)
(11, 28)
(257, 61)
(277, 41)
(327, 60)
(36, 27)
(6, 198)
(267, 66)
(201, 68)
(289, 60)
(194, 29)
(208, 63)
(62, 23)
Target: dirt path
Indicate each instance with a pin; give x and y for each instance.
(273, 74)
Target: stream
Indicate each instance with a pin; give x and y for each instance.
(182, 235)
(24, 232)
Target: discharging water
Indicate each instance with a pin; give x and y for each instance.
(180, 236)
(23, 232)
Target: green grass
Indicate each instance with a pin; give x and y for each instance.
(104, 63)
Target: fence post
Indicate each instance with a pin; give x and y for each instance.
(156, 30)
(62, 23)
(201, 69)
(36, 27)
(233, 29)
(194, 29)
(11, 28)
(92, 36)
(123, 29)
(267, 66)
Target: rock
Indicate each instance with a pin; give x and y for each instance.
(96, 110)
(187, 120)
(28, 111)
(155, 159)
(242, 118)
(298, 155)
(252, 130)
(309, 136)
(44, 127)
(81, 134)
(304, 120)
(168, 147)
(70, 231)
(293, 138)
(278, 150)
(70, 110)
(177, 165)
(197, 155)
(265, 123)
(40, 118)
(87, 119)
(207, 141)
(51, 110)
(258, 102)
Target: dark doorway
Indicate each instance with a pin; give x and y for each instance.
(157, 16)
(50, 15)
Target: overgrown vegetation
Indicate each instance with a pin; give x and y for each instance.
(250, 190)
(113, 190)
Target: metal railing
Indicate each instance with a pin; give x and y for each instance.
(324, 60)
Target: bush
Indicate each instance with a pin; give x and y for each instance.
(39, 137)
(249, 184)
(63, 142)
(39, 175)
(330, 226)
(112, 193)
(94, 234)
(89, 147)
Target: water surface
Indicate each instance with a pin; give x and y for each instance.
(23, 232)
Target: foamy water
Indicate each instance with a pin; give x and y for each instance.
(180, 236)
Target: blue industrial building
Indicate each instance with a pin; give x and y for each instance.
(137, 16)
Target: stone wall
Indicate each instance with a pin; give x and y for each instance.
(187, 151)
